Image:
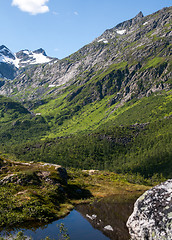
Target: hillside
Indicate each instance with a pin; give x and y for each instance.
(107, 106)
(10, 110)
(133, 58)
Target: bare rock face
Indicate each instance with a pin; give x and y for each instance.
(152, 215)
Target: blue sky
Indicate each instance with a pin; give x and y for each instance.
(61, 27)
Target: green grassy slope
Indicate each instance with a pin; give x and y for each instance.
(17, 124)
(10, 110)
(134, 138)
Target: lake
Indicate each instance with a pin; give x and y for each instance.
(101, 220)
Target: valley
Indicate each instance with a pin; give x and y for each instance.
(106, 107)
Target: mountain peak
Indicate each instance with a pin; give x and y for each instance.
(2, 46)
(40, 50)
(130, 22)
(139, 15)
(10, 62)
(27, 57)
(4, 51)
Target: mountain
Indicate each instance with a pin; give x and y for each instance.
(26, 57)
(106, 106)
(8, 67)
(137, 51)
(10, 62)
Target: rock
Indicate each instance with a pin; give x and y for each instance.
(91, 172)
(152, 215)
(8, 179)
(63, 173)
(60, 170)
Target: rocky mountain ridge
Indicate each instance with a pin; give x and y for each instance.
(10, 62)
(133, 58)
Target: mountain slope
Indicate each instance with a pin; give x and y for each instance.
(107, 106)
(141, 47)
(10, 109)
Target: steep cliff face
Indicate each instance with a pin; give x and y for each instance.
(133, 58)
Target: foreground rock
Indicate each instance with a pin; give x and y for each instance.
(152, 215)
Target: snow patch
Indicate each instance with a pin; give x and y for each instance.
(27, 52)
(103, 40)
(121, 32)
(40, 58)
(16, 62)
(51, 85)
(145, 23)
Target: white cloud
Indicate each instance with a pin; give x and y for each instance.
(31, 6)
(76, 13)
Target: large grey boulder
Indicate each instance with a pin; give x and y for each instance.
(152, 215)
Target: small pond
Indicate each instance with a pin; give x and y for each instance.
(102, 220)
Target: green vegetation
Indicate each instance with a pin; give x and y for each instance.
(10, 110)
(114, 117)
(37, 192)
(27, 195)
(134, 138)
(144, 149)
(153, 62)
(63, 235)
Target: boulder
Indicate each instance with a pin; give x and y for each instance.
(152, 215)
(60, 170)
(63, 173)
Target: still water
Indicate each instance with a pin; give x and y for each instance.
(101, 220)
(77, 227)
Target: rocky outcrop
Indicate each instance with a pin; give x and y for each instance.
(52, 174)
(60, 170)
(152, 215)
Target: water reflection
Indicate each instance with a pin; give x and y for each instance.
(77, 227)
(109, 216)
(102, 220)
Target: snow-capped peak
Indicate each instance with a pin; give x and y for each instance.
(23, 57)
(26, 57)
(6, 56)
(4, 51)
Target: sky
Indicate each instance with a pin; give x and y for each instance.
(62, 27)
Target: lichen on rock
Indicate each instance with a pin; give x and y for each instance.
(152, 215)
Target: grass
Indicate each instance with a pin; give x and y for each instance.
(97, 135)
(148, 109)
(27, 197)
(153, 63)
(91, 116)
(105, 183)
